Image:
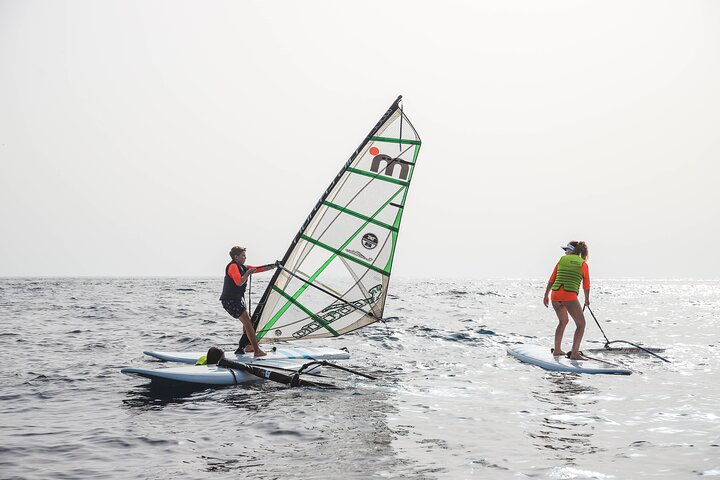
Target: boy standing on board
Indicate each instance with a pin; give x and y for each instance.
(233, 294)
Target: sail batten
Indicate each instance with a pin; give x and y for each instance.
(361, 216)
(344, 255)
(374, 175)
(396, 140)
(307, 311)
(347, 243)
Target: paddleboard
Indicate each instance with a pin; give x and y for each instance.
(277, 352)
(542, 357)
(214, 375)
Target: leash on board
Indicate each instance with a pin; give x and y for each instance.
(608, 342)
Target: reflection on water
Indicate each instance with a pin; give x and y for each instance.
(565, 427)
(154, 396)
(318, 429)
(300, 426)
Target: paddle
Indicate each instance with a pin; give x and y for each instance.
(608, 342)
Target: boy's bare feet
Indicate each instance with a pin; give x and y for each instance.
(259, 353)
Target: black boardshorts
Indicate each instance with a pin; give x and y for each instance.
(234, 307)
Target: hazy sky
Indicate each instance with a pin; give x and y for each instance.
(148, 137)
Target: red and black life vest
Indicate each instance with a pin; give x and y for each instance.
(230, 290)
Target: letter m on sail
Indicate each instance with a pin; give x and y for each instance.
(390, 164)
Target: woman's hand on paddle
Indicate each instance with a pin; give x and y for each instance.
(587, 302)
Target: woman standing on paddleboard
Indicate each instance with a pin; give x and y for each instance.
(570, 271)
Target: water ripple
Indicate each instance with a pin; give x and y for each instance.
(449, 402)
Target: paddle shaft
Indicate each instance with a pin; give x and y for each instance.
(608, 342)
(598, 323)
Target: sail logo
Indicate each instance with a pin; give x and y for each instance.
(335, 312)
(390, 164)
(369, 241)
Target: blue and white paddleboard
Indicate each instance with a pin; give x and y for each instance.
(542, 357)
(276, 352)
(214, 375)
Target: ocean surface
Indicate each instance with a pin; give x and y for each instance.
(448, 402)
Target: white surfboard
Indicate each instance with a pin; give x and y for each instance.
(542, 357)
(278, 352)
(214, 375)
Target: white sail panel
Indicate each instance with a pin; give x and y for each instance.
(334, 277)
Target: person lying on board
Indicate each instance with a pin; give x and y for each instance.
(213, 356)
(216, 356)
(233, 294)
(565, 285)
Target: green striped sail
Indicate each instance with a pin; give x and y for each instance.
(335, 275)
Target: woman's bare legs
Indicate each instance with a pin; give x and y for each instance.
(576, 313)
(562, 314)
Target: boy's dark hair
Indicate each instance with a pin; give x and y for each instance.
(214, 355)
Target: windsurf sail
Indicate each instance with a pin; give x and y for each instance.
(334, 276)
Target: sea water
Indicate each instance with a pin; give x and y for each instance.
(448, 402)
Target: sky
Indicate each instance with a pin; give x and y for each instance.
(145, 138)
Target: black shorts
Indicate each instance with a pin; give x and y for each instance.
(234, 307)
